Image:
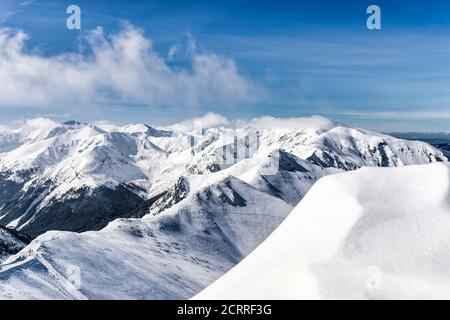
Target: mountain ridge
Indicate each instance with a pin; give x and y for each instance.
(202, 200)
(55, 164)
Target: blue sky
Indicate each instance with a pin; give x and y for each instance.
(288, 59)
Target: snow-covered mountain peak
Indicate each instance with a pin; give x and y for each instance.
(49, 167)
(141, 128)
(72, 126)
(184, 203)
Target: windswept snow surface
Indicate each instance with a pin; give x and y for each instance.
(376, 233)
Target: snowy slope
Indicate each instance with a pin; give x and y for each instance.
(305, 155)
(349, 148)
(79, 177)
(54, 176)
(69, 172)
(381, 234)
(292, 179)
(170, 256)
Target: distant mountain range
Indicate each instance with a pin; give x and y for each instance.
(440, 140)
(177, 208)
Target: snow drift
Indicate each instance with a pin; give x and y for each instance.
(376, 233)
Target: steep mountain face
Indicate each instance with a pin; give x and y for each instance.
(440, 140)
(319, 151)
(206, 200)
(77, 177)
(347, 148)
(57, 183)
(169, 256)
(232, 208)
(11, 242)
(381, 234)
(176, 193)
(292, 179)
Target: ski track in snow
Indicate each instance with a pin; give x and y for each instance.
(63, 282)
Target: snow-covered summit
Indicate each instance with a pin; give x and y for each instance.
(201, 200)
(148, 130)
(48, 167)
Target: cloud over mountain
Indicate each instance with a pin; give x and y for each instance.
(122, 67)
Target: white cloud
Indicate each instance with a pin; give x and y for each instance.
(209, 120)
(107, 125)
(214, 120)
(122, 68)
(38, 123)
(313, 122)
(29, 124)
